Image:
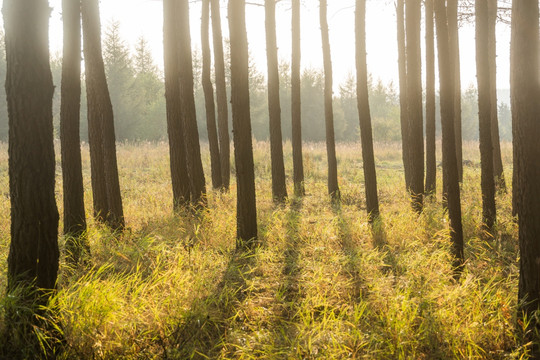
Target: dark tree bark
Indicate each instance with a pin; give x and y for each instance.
(454, 52)
(370, 175)
(221, 95)
(403, 101)
(525, 91)
(492, 52)
(431, 150)
(208, 89)
(187, 105)
(450, 166)
(33, 253)
(296, 103)
(100, 115)
(279, 188)
(175, 128)
(484, 114)
(70, 105)
(414, 96)
(333, 188)
(246, 212)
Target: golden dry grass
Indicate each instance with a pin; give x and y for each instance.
(323, 284)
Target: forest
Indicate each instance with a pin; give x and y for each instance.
(208, 207)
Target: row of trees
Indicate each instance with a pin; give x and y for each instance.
(136, 87)
(34, 253)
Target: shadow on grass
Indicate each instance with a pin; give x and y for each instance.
(291, 270)
(202, 330)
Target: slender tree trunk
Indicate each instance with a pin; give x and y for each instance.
(525, 91)
(246, 215)
(208, 89)
(484, 114)
(370, 175)
(279, 188)
(431, 151)
(296, 102)
(414, 95)
(95, 125)
(450, 167)
(100, 112)
(221, 95)
(492, 52)
(333, 188)
(403, 100)
(70, 105)
(453, 32)
(175, 128)
(187, 105)
(33, 253)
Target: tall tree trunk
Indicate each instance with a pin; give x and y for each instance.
(175, 128)
(453, 32)
(484, 114)
(208, 89)
(246, 212)
(431, 151)
(333, 188)
(187, 105)
(97, 167)
(403, 101)
(221, 95)
(414, 95)
(33, 253)
(279, 188)
(70, 105)
(450, 166)
(525, 91)
(296, 103)
(100, 111)
(370, 175)
(492, 52)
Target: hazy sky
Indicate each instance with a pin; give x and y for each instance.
(144, 18)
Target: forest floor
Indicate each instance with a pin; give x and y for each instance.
(323, 284)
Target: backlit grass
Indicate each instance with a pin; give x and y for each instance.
(323, 284)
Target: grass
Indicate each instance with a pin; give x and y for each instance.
(323, 285)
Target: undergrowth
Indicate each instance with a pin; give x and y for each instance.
(323, 284)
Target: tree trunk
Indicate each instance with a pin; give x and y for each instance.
(370, 175)
(175, 128)
(33, 253)
(453, 33)
(296, 103)
(450, 167)
(403, 101)
(492, 52)
(484, 115)
(333, 188)
(208, 89)
(414, 96)
(100, 113)
(246, 213)
(279, 188)
(431, 150)
(221, 95)
(525, 91)
(187, 105)
(70, 105)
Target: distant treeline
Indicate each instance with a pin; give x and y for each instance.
(137, 92)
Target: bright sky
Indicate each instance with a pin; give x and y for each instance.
(144, 18)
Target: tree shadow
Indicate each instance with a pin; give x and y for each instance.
(288, 294)
(201, 331)
(291, 269)
(350, 249)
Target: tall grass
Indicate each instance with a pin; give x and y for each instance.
(323, 284)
